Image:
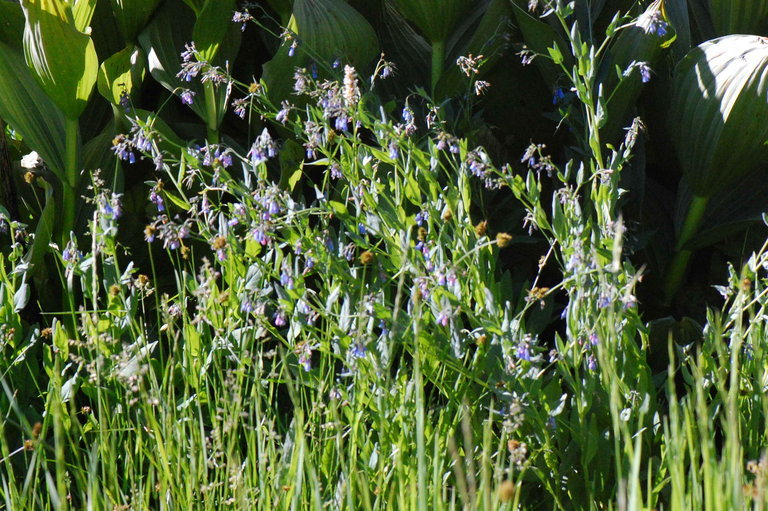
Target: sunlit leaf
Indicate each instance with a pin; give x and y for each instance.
(121, 74)
(62, 59)
(717, 119)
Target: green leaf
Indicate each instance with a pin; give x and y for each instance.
(11, 24)
(738, 16)
(718, 112)
(212, 24)
(163, 40)
(436, 19)
(62, 59)
(539, 38)
(317, 24)
(196, 5)
(122, 72)
(82, 13)
(132, 15)
(25, 106)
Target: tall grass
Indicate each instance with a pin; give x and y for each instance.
(339, 331)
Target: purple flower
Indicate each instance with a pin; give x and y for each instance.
(358, 350)
(187, 97)
(421, 217)
(280, 318)
(263, 148)
(155, 198)
(394, 152)
(558, 96)
(592, 362)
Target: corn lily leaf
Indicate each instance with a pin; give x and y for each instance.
(196, 5)
(121, 74)
(62, 59)
(485, 31)
(163, 41)
(539, 38)
(213, 22)
(82, 13)
(718, 111)
(25, 106)
(316, 24)
(436, 19)
(132, 15)
(11, 24)
(738, 16)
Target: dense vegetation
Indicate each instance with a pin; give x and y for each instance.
(383, 254)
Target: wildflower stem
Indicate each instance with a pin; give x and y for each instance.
(211, 115)
(438, 56)
(676, 268)
(69, 195)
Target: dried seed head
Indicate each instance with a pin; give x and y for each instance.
(503, 239)
(507, 491)
(481, 228)
(367, 257)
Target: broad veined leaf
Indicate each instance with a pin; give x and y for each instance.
(539, 38)
(163, 41)
(212, 24)
(82, 13)
(738, 16)
(62, 59)
(331, 29)
(121, 74)
(11, 24)
(25, 106)
(132, 15)
(317, 24)
(628, 64)
(436, 19)
(484, 32)
(718, 111)
(195, 5)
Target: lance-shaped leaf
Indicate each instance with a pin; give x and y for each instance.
(11, 24)
(540, 38)
(132, 15)
(436, 19)
(485, 31)
(718, 111)
(327, 30)
(163, 41)
(213, 22)
(121, 74)
(629, 63)
(25, 106)
(738, 16)
(82, 12)
(62, 59)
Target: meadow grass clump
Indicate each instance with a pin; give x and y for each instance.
(326, 316)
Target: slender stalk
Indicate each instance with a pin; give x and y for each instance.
(438, 58)
(69, 192)
(676, 269)
(211, 114)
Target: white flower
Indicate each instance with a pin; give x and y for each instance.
(31, 161)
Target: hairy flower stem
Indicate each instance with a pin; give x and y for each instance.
(69, 188)
(679, 264)
(211, 113)
(438, 58)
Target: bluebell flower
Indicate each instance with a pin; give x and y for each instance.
(157, 200)
(421, 217)
(592, 363)
(187, 97)
(394, 152)
(358, 350)
(558, 96)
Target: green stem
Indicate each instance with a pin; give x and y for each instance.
(211, 114)
(679, 264)
(438, 58)
(69, 184)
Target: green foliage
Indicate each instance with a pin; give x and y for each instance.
(303, 282)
